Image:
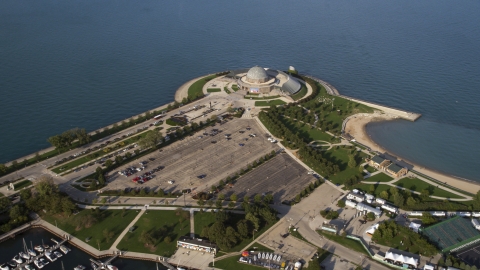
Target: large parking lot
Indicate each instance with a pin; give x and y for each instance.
(201, 160)
(281, 176)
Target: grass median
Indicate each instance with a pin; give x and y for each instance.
(269, 103)
(344, 241)
(22, 184)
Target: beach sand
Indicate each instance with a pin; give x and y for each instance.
(356, 128)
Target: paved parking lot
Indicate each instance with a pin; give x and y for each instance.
(291, 248)
(191, 258)
(281, 176)
(334, 262)
(196, 155)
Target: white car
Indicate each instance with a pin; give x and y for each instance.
(171, 182)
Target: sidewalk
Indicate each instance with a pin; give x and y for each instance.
(120, 237)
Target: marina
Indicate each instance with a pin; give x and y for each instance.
(72, 257)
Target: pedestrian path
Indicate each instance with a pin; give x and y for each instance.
(192, 223)
(120, 237)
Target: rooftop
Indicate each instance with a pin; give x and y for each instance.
(394, 168)
(196, 241)
(378, 159)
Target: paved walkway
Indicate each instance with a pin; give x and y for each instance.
(125, 231)
(392, 183)
(192, 223)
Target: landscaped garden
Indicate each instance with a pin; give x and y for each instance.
(100, 227)
(22, 184)
(157, 232)
(212, 90)
(370, 169)
(379, 177)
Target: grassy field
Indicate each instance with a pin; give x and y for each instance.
(380, 177)
(212, 90)
(202, 220)
(309, 134)
(260, 98)
(22, 184)
(110, 220)
(370, 169)
(173, 225)
(378, 188)
(95, 155)
(269, 103)
(300, 94)
(347, 242)
(235, 87)
(416, 184)
(340, 157)
(226, 90)
(196, 88)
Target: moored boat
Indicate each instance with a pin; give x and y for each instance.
(50, 256)
(17, 259)
(57, 254)
(43, 261)
(111, 267)
(29, 267)
(38, 248)
(4, 267)
(32, 253)
(12, 264)
(79, 267)
(64, 249)
(24, 255)
(38, 264)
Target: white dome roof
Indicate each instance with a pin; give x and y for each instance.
(257, 73)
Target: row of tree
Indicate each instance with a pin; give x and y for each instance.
(66, 139)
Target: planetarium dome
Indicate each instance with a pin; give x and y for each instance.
(257, 75)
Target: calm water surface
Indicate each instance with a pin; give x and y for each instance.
(33, 237)
(68, 64)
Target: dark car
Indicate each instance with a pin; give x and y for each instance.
(202, 176)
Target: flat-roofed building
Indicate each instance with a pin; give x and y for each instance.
(369, 209)
(196, 244)
(396, 170)
(355, 197)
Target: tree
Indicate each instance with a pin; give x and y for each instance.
(201, 202)
(233, 197)
(398, 200)
(254, 219)
(384, 195)
(167, 239)
(218, 204)
(341, 203)
(268, 198)
(108, 235)
(152, 139)
(361, 168)
(45, 186)
(246, 198)
(372, 189)
(147, 238)
(3, 168)
(210, 203)
(231, 204)
(370, 216)
(428, 219)
(221, 196)
(213, 117)
(258, 198)
(108, 163)
(4, 204)
(411, 201)
(424, 193)
(243, 228)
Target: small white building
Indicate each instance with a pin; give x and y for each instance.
(350, 203)
(355, 197)
(369, 209)
(390, 208)
(369, 198)
(476, 223)
(380, 201)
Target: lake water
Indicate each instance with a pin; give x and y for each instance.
(67, 64)
(34, 237)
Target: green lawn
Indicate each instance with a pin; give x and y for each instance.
(111, 220)
(380, 177)
(260, 98)
(340, 157)
(344, 241)
(235, 87)
(226, 90)
(161, 224)
(269, 103)
(196, 89)
(300, 94)
(416, 184)
(370, 169)
(95, 155)
(211, 90)
(171, 122)
(202, 220)
(22, 184)
(378, 188)
(310, 134)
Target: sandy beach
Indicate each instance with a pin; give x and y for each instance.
(356, 128)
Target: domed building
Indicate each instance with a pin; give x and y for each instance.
(258, 80)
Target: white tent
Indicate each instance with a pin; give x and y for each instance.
(389, 255)
(414, 226)
(411, 261)
(372, 229)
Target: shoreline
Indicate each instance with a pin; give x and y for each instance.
(356, 127)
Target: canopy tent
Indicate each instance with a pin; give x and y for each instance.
(401, 258)
(414, 226)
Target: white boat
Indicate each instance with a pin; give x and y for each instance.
(57, 254)
(17, 259)
(50, 256)
(43, 261)
(24, 255)
(38, 248)
(32, 253)
(64, 249)
(4, 267)
(111, 267)
(38, 264)
(29, 267)
(79, 267)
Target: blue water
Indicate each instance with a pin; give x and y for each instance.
(68, 64)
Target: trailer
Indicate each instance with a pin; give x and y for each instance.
(390, 208)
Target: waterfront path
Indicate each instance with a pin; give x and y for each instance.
(125, 231)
